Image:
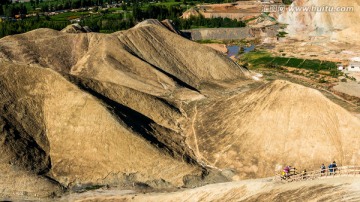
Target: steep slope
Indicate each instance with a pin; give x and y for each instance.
(76, 132)
(278, 124)
(141, 64)
(85, 109)
(146, 41)
(339, 26)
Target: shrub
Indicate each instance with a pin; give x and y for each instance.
(322, 80)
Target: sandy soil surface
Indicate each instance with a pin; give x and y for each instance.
(350, 88)
(336, 188)
(217, 46)
(317, 48)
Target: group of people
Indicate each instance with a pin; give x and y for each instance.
(332, 168)
(288, 170)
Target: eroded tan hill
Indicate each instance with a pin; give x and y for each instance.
(277, 124)
(91, 108)
(146, 106)
(79, 138)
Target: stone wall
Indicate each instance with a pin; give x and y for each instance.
(230, 33)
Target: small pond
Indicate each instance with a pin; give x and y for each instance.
(233, 50)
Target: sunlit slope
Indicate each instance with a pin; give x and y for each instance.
(280, 123)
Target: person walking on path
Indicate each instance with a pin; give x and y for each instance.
(304, 174)
(287, 170)
(322, 169)
(332, 167)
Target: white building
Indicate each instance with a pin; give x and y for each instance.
(340, 67)
(354, 66)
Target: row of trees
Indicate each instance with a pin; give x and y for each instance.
(10, 10)
(69, 4)
(108, 24)
(196, 22)
(115, 22)
(21, 26)
(175, 11)
(159, 12)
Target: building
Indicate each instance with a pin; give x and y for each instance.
(354, 66)
(340, 67)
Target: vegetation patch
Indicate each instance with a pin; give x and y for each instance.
(256, 59)
(282, 34)
(295, 62)
(311, 64)
(280, 61)
(96, 14)
(325, 65)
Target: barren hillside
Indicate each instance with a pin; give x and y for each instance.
(279, 123)
(104, 109)
(147, 107)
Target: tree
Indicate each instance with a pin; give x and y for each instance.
(5, 2)
(44, 8)
(123, 6)
(10, 11)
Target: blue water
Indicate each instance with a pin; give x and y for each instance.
(248, 49)
(234, 50)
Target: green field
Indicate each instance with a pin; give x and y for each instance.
(280, 61)
(265, 59)
(295, 62)
(311, 64)
(68, 16)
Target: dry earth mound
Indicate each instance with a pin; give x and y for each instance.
(90, 108)
(51, 126)
(148, 106)
(277, 124)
